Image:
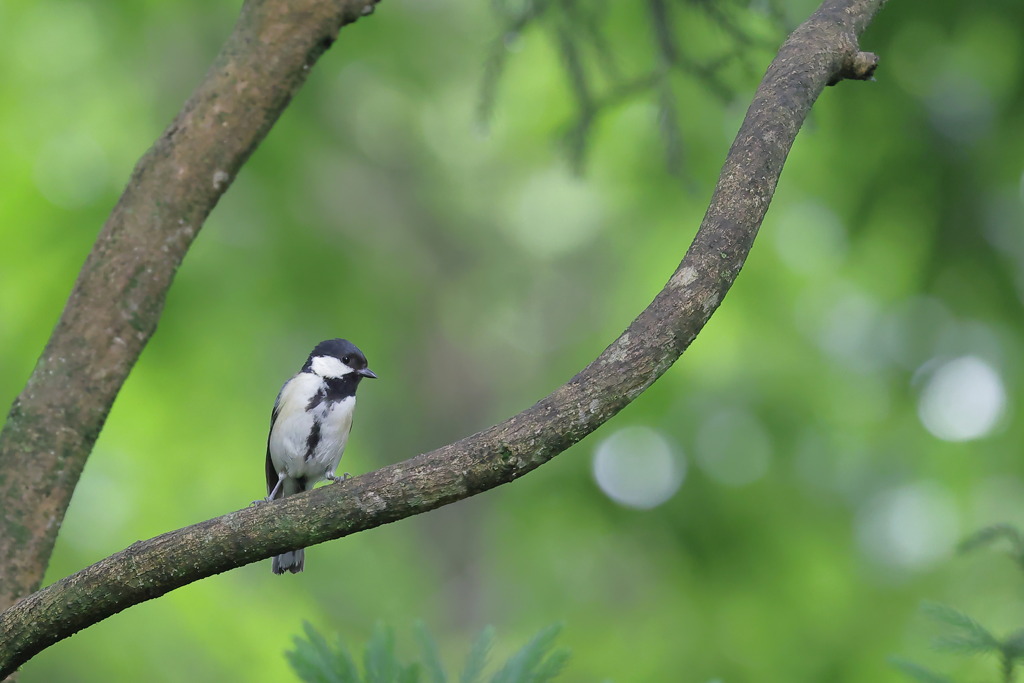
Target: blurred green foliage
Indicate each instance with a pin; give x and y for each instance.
(962, 634)
(852, 408)
(316, 661)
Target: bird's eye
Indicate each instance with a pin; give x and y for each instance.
(346, 360)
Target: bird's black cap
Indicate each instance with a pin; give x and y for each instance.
(345, 351)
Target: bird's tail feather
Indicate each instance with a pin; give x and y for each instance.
(290, 562)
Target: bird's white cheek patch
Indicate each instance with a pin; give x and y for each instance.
(328, 366)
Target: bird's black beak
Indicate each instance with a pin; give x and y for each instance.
(367, 372)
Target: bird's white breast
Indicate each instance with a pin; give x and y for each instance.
(335, 426)
(289, 438)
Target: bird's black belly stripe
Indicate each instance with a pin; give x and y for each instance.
(316, 400)
(313, 440)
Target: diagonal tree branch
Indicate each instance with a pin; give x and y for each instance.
(116, 302)
(822, 50)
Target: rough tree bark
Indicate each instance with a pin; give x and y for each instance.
(172, 190)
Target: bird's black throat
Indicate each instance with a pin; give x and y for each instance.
(335, 389)
(339, 388)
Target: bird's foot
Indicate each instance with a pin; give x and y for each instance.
(331, 476)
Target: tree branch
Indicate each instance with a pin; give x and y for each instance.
(818, 52)
(116, 302)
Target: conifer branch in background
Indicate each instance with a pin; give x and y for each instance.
(317, 661)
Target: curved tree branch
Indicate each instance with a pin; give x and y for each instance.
(116, 302)
(818, 52)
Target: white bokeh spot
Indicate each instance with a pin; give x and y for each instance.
(963, 399)
(638, 467)
(554, 214)
(910, 527)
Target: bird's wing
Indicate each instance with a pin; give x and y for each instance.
(272, 476)
(291, 424)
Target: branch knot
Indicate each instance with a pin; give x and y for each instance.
(859, 66)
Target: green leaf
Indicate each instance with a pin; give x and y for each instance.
(990, 535)
(409, 674)
(963, 645)
(379, 659)
(918, 672)
(1013, 646)
(431, 656)
(970, 637)
(477, 658)
(316, 662)
(523, 666)
(552, 666)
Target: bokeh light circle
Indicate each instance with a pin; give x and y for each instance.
(638, 467)
(962, 400)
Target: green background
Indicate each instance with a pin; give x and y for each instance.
(815, 419)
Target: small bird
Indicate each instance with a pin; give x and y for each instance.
(310, 425)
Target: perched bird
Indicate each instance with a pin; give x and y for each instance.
(310, 425)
